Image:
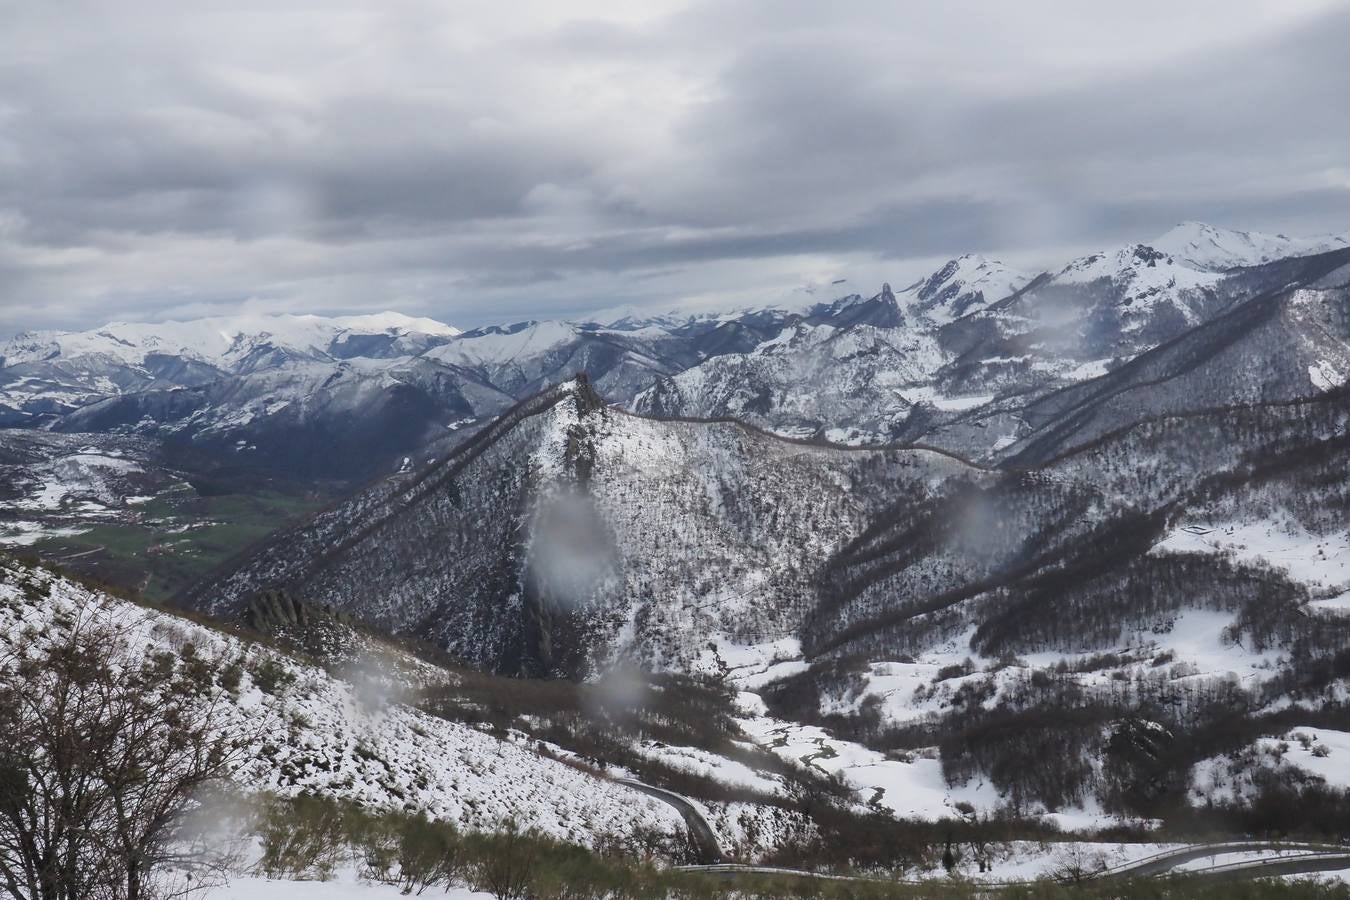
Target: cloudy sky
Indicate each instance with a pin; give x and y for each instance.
(487, 161)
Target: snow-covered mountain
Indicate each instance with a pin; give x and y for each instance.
(228, 342)
(586, 525)
(215, 380)
(1146, 581)
(967, 348)
(951, 359)
(1212, 249)
(965, 285)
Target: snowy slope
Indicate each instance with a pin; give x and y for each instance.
(1211, 249)
(501, 345)
(808, 380)
(324, 735)
(1304, 754)
(964, 285)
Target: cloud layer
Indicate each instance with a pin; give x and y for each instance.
(481, 161)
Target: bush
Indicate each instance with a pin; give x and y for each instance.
(501, 864)
(303, 837)
(428, 853)
(271, 677)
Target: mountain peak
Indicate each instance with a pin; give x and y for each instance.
(1211, 248)
(964, 285)
(392, 322)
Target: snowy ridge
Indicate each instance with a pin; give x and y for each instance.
(963, 286)
(223, 342)
(1210, 249)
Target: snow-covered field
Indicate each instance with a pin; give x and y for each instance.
(345, 885)
(1321, 561)
(22, 532)
(911, 788)
(912, 785)
(1317, 754)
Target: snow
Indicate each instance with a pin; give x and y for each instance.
(1235, 857)
(913, 785)
(498, 346)
(1318, 754)
(1277, 540)
(325, 735)
(1333, 767)
(963, 286)
(913, 788)
(1143, 285)
(22, 533)
(390, 322)
(1324, 375)
(218, 341)
(710, 765)
(1030, 860)
(1091, 369)
(1336, 876)
(345, 885)
(94, 478)
(1212, 249)
(1194, 637)
(929, 395)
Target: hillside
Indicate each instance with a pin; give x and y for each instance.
(568, 532)
(314, 732)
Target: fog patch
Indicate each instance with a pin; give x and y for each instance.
(374, 682)
(619, 694)
(572, 550)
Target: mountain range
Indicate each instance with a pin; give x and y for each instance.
(1077, 537)
(952, 359)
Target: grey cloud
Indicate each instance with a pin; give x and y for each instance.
(329, 156)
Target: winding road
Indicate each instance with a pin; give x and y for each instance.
(1167, 861)
(1295, 858)
(701, 834)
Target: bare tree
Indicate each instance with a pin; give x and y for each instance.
(105, 753)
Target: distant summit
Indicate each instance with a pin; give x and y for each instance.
(1213, 249)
